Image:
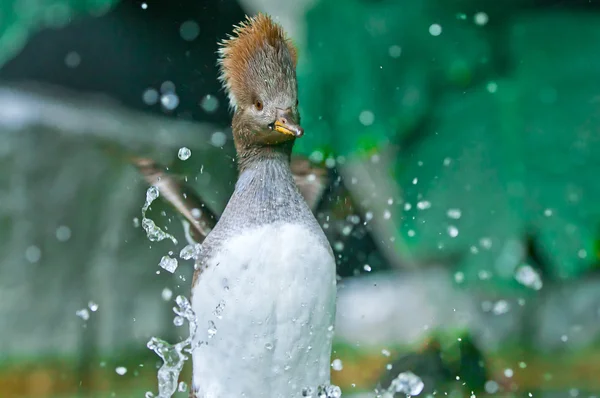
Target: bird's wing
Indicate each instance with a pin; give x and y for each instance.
(310, 179)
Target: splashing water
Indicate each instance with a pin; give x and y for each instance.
(323, 391)
(191, 251)
(173, 355)
(406, 383)
(154, 233)
(168, 263)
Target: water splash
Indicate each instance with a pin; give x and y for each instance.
(191, 251)
(154, 233)
(174, 356)
(169, 264)
(322, 391)
(405, 383)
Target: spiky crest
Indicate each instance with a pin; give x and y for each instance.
(238, 50)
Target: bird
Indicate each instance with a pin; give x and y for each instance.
(264, 285)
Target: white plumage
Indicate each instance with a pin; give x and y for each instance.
(270, 293)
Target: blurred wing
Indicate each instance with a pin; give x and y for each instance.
(310, 179)
(199, 220)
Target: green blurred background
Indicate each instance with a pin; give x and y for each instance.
(461, 140)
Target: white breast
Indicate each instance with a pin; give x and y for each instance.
(270, 293)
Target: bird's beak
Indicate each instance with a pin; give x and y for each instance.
(285, 123)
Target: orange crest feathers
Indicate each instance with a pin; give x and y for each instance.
(248, 39)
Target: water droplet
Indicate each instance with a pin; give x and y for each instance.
(182, 387)
(184, 153)
(395, 51)
(121, 370)
(486, 243)
(548, 212)
(323, 391)
(492, 87)
(166, 294)
(500, 307)
(83, 314)
(212, 329)
(481, 18)
(154, 233)
(73, 59)
(178, 321)
(423, 205)
(386, 352)
(406, 383)
(269, 346)
(337, 365)
(218, 139)
(454, 213)
(366, 118)
(452, 231)
(435, 29)
(189, 30)
(33, 254)
(491, 387)
(528, 276)
(191, 251)
(209, 103)
(508, 372)
(387, 215)
(218, 312)
(367, 267)
(167, 87)
(150, 96)
(92, 306)
(169, 101)
(168, 263)
(63, 233)
(152, 194)
(459, 277)
(144, 6)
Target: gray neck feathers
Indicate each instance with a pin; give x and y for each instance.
(266, 193)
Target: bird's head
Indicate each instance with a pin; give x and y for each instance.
(258, 72)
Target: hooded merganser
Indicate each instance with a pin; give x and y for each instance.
(264, 288)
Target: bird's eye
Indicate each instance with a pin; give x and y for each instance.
(258, 105)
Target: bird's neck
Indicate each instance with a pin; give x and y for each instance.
(250, 156)
(265, 168)
(265, 191)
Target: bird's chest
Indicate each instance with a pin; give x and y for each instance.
(277, 258)
(265, 305)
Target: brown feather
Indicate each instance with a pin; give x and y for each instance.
(238, 51)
